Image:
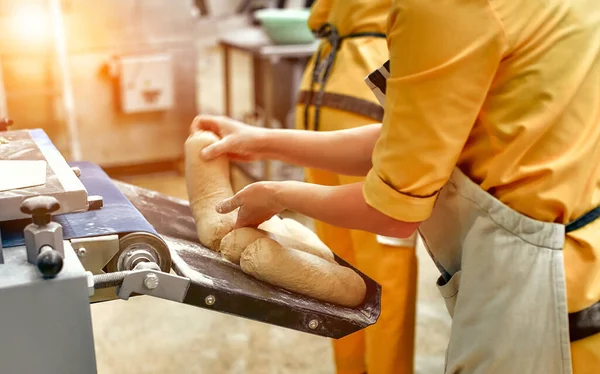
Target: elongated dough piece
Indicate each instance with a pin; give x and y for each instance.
(303, 273)
(275, 226)
(298, 231)
(207, 184)
(234, 243)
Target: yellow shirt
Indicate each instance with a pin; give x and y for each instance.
(357, 57)
(509, 91)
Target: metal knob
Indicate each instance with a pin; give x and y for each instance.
(49, 262)
(40, 208)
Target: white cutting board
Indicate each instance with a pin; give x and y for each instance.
(15, 174)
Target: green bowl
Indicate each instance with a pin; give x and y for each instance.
(286, 26)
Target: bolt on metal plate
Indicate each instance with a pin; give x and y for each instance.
(313, 324)
(151, 281)
(209, 300)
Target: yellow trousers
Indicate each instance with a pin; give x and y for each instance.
(388, 346)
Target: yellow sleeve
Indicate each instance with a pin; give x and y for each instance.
(443, 58)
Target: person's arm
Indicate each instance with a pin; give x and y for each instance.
(342, 206)
(443, 60)
(343, 152)
(435, 93)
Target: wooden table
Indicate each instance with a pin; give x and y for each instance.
(265, 55)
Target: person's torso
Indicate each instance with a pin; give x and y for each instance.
(539, 128)
(356, 57)
(536, 143)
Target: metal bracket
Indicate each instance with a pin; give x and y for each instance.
(154, 283)
(94, 253)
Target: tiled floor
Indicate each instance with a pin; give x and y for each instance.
(145, 335)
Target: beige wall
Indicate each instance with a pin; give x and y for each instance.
(96, 31)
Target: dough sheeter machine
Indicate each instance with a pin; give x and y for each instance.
(71, 236)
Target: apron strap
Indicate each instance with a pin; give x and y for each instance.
(584, 220)
(377, 82)
(344, 103)
(586, 322)
(322, 69)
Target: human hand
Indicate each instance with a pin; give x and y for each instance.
(238, 141)
(257, 203)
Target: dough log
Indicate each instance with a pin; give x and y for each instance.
(234, 243)
(207, 184)
(275, 226)
(303, 273)
(305, 235)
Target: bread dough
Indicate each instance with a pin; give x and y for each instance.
(299, 232)
(275, 225)
(303, 273)
(207, 184)
(234, 243)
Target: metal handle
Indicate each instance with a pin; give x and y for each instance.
(49, 262)
(40, 208)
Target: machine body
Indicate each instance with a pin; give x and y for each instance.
(46, 323)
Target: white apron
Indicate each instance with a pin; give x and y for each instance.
(503, 283)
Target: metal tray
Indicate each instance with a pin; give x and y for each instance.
(220, 285)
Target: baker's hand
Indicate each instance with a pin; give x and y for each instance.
(238, 141)
(257, 203)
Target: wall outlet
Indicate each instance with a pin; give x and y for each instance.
(146, 83)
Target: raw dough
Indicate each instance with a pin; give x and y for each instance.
(275, 225)
(207, 184)
(234, 243)
(302, 233)
(303, 273)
